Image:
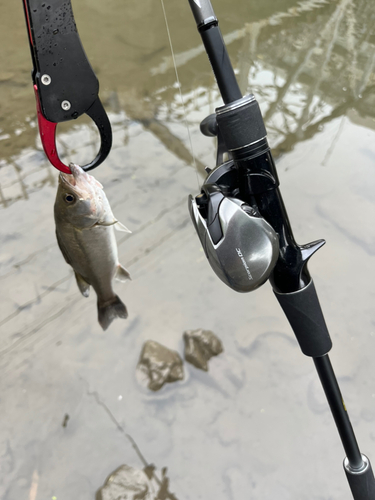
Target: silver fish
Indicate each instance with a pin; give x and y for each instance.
(85, 234)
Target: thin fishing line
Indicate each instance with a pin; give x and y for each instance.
(180, 91)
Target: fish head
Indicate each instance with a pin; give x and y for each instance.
(80, 199)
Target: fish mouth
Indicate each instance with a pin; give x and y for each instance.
(71, 180)
(78, 178)
(67, 179)
(68, 182)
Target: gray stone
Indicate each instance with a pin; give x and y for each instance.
(125, 483)
(200, 346)
(159, 365)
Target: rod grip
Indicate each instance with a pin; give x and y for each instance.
(361, 483)
(302, 308)
(241, 123)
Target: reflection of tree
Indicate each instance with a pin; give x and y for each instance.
(326, 41)
(289, 142)
(319, 57)
(326, 65)
(323, 54)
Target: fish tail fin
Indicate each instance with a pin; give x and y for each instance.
(109, 310)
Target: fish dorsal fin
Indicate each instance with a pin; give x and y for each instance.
(120, 227)
(122, 274)
(83, 286)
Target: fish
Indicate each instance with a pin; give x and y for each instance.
(85, 235)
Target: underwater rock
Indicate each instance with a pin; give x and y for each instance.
(159, 365)
(200, 346)
(125, 483)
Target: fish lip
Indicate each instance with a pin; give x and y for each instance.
(70, 180)
(76, 170)
(65, 179)
(75, 173)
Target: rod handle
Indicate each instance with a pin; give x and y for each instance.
(302, 308)
(362, 483)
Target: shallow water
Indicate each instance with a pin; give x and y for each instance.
(256, 425)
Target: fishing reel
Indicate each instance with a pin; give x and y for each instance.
(240, 245)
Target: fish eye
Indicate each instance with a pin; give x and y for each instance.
(69, 198)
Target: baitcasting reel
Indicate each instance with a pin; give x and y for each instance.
(240, 245)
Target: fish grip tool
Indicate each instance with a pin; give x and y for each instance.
(65, 84)
(249, 178)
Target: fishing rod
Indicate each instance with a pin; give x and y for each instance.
(65, 84)
(243, 226)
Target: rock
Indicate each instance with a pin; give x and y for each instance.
(200, 346)
(159, 365)
(125, 483)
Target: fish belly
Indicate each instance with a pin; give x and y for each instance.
(93, 255)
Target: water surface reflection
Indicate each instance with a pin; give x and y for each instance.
(237, 430)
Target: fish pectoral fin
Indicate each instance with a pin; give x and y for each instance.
(122, 274)
(115, 223)
(121, 227)
(83, 286)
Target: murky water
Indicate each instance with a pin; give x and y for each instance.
(256, 425)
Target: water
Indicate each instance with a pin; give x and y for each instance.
(257, 425)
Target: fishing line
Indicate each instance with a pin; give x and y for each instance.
(180, 91)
